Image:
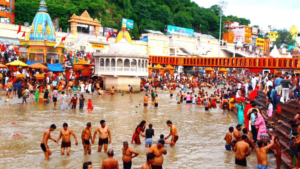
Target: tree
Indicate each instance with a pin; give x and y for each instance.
(285, 39)
(183, 19)
(216, 9)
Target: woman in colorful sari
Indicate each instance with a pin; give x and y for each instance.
(36, 95)
(240, 113)
(139, 131)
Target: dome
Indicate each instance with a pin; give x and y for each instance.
(42, 27)
(123, 47)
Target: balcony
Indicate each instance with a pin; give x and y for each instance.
(4, 14)
(4, 3)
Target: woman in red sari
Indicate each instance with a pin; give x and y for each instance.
(139, 131)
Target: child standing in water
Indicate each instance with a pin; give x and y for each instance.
(81, 102)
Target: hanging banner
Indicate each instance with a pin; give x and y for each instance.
(174, 30)
(128, 23)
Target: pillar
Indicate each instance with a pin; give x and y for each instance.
(96, 30)
(73, 27)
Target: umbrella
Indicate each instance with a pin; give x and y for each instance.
(38, 66)
(2, 66)
(16, 63)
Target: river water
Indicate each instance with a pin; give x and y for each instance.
(200, 145)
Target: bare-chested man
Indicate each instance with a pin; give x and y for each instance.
(104, 133)
(237, 134)
(146, 98)
(66, 139)
(261, 154)
(150, 160)
(112, 92)
(242, 150)
(46, 137)
(85, 137)
(127, 155)
(110, 163)
(158, 150)
(228, 139)
(173, 132)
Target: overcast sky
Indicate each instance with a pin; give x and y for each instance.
(278, 13)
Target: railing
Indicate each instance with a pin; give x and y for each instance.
(126, 68)
(260, 63)
(119, 69)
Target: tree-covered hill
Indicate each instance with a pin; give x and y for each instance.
(147, 14)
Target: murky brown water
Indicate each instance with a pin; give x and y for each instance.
(201, 134)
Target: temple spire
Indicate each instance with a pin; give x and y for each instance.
(43, 7)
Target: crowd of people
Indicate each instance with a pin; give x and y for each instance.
(235, 92)
(154, 155)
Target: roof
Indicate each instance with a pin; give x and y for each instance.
(123, 47)
(38, 66)
(154, 32)
(42, 27)
(169, 67)
(275, 53)
(223, 70)
(209, 69)
(82, 62)
(16, 63)
(57, 67)
(157, 67)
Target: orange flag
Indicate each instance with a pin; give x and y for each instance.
(23, 34)
(108, 36)
(19, 30)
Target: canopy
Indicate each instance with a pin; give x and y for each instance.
(2, 66)
(57, 67)
(82, 62)
(223, 70)
(29, 62)
(209, 69)
(169, 67)
(297, 72)
(149, 66)
(158, 67)
(38, 66)
(16, 63)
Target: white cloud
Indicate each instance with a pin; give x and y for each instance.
(280, 14)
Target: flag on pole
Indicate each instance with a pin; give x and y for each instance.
(23, 34)
(108, 36)
(75, 33)
(3, 47)
(62, 39)
(19, 30)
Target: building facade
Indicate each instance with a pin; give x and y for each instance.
(273, 36)
(6, 11)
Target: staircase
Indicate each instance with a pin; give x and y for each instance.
(282, 129)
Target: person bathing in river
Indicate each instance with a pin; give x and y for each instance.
(173, 133)
(128, 155)
(65, 133)
(139, 131)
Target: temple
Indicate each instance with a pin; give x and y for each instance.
(42, 39)
(122, 65)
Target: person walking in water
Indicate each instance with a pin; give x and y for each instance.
(104, 136)
(110, 163)
(65, 133)
(86, 135)
(46, 137)
(139, 131)
(128, 155)
(173, 133)
(63, 101)
(158, 150)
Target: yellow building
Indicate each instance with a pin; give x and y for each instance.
(273, 36)
(248, 34)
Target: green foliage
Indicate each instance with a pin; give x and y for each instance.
(147, 14)
(285, 39)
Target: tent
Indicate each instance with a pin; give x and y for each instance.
(222, 70)
(2, 66)
(209, 69)
(57, 67)
(29, 62)
(38, 66)
(16, 63)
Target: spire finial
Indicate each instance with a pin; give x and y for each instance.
(43, 7)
